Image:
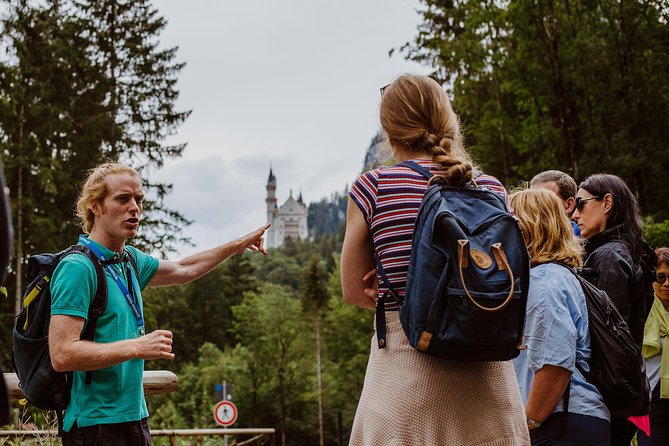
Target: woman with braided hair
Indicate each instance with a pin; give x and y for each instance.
(409, 398)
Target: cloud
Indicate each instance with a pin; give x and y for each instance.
(299, 89)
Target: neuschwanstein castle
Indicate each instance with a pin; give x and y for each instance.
(288, 221)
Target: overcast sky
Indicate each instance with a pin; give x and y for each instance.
(294, 83)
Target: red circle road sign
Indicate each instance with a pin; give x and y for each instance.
(225, 413)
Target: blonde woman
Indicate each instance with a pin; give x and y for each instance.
(410, 398)
(556, 331)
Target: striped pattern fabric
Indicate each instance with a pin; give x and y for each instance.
(389, 198)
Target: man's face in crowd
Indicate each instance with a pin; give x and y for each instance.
(552, 186)
(118, 216)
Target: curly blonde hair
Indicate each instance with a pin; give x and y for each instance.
(95, 190)
(417, 117)
(548, 234)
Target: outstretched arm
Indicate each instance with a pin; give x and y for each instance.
(69, 353)
(197, 265)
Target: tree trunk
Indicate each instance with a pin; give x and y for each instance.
(550, 33)
(320, 381)
(282, 396)
(502, 135)
(113, 63)
(18, 280)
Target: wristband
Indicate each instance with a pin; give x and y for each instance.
(532, 424)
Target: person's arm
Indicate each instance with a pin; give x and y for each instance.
(197, 265)
(358, 276)
(69, 353)
(551, 337)
(547, 389)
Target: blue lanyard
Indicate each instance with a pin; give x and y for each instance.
(124, 290)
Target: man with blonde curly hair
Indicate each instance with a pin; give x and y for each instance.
(109, 408)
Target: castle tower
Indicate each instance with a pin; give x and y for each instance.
(289, 220)
(272, 208)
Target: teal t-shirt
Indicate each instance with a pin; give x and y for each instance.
(116, 393)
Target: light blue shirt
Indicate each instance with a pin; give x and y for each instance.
(556, 333)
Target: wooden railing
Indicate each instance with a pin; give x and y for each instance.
(258, 437)
(156, 382)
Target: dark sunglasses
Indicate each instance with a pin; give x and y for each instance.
(383, 89)
(580, 202)
(661, 278)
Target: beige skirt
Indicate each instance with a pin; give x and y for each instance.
(410, 398)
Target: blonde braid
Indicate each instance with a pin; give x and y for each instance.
(417, 117)
(454, 170)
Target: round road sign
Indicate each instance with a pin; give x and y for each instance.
(225, 413)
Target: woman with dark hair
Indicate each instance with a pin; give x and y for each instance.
(617, 259)
(410, 398)
(657, 355)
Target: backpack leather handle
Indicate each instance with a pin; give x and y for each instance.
(502, 264)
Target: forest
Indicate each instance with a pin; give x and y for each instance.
(580, 86)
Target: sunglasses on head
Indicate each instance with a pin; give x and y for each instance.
(383, 89)
(580, 201)
(660, 278)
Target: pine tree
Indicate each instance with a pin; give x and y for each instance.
(80, 85)
(141, 79)
(576, 86)
(314, 302)
(52, 121)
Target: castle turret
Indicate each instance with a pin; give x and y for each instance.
(272, 208)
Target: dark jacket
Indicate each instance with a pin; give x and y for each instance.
(610, 266)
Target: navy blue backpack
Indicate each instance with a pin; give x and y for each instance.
(468, 276)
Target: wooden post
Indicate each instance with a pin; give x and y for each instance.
(156, 382)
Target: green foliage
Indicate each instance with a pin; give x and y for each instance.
(578, 86)
(314, 293)
(279, 268)
(140, 80)
(328, 215)
(266, 344)
(46, 81)
(267, 368)
(81, 82)
(347, 333)
(656, 233)
(204, 308)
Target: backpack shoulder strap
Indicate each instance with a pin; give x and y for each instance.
(380, 304)
(580, 279)
(133, 263)
(99, 303)
(417, 168)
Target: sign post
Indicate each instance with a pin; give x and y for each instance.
(225, 414)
